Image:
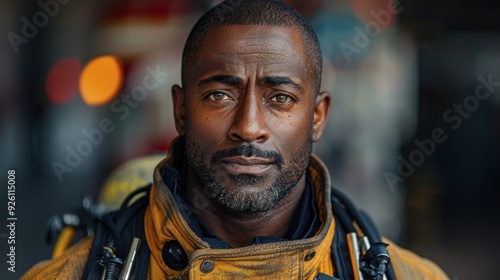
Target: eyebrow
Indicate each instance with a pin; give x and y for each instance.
(225, 79)
(277, 81)
(237, 81)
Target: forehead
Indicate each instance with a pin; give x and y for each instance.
(244, 48)
(253, 35)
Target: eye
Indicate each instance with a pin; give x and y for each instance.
(218, 96)
(281, 98)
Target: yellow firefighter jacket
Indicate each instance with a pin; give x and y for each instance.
(297, 259)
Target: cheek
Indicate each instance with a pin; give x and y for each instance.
(296, 124)
(293, 133)
(205, 128)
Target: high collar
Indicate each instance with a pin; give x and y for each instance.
(163, 223)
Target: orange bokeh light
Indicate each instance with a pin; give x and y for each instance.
(101, 80)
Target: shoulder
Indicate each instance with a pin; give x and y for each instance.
(70, 265)
(408, 265)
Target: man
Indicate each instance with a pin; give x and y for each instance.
(240, 196)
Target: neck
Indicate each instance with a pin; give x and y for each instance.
(239, 229)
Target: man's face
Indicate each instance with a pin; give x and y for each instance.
(247, 113)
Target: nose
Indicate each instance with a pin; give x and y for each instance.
(249, 123)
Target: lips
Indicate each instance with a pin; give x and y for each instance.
(247, 165)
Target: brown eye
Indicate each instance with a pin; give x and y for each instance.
(218, 96)
(281, 98)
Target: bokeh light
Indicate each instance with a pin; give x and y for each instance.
(62, 80)
(101, 80)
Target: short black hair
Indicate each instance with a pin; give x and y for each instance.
(253, 12)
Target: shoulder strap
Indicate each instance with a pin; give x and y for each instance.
(340, 254)
(347, 213)
(113, 234)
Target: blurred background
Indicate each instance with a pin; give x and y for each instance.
(85, 87)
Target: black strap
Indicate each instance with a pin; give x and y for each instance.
(340, 254)
(119, 228)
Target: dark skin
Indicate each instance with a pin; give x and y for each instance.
(251, 86)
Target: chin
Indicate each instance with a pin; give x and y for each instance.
(248, 197)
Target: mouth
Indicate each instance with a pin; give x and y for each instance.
(247, 165)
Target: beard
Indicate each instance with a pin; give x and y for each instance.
(248, 194)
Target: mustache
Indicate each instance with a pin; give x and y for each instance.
(247, 151)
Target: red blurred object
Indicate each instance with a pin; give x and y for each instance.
(62, 80)
(149, 9)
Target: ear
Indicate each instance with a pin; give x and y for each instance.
(321, 113)
(179, 109)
